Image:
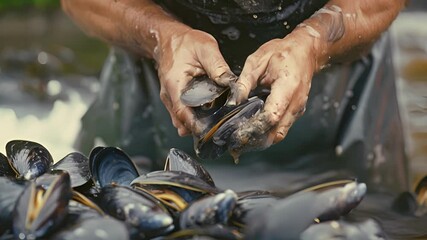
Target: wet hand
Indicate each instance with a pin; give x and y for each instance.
(286, 66)
(180, 58)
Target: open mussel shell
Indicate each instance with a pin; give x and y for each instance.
(178, 160)
(178, 179)
(77, 165)
(29, 159)
(214, 141)
(38, 211)
(9, 194)
(139, 209)
(210, 210)
(201, 91)
(5, 168)
(112, 165)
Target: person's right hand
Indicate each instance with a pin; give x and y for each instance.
(180, 58)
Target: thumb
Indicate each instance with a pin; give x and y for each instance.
(215, 66)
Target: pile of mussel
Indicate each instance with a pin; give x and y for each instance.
(104, 197)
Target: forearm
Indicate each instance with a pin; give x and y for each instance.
(137, 25)
(344, 30)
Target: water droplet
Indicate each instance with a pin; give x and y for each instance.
(349, 93)
(339, 150)
(325, 98)
(252, 35)
(353, 107)
(285, 23)
(116, 106)
(231, 32)
(360, 36)
(255, 16)
(336, 104)
(42, 57)
(287, 27)
(326, 106)
(54, 88)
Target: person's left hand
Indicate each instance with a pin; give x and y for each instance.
(286, 66)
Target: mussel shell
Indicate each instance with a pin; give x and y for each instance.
(77, 165)
(46, 180)
(138, 209)
(210, 210)
(94, 228)
(251, 201)
(5, 168)
(288, 217)
(176, 179)
(38, 212)
(339, 201)
(178, 160)
(112, 165)
(9, 194)
(30, 159)
(201, 90)
(213, 142)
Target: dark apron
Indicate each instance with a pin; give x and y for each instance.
(351, 124)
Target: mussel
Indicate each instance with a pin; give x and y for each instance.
(175, 188)
(77, 165)
(28, 159)
(178, 160)
(306, 207)
(111, 165)
(39, 211)
(211, 210)
(141, 210)
(10, 192)
(216, 120)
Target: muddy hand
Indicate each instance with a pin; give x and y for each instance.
(286, 66)
(180, 58)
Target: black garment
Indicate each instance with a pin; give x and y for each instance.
(241, 26)
(352, 120)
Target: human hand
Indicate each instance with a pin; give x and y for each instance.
(180, 58)
(286, 66)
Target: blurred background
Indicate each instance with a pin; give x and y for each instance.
(49, 75)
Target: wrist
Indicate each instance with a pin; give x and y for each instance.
(315, 47)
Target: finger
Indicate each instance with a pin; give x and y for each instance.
(252, 71)
(215, 66)
(295, 110)
(281, 95)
